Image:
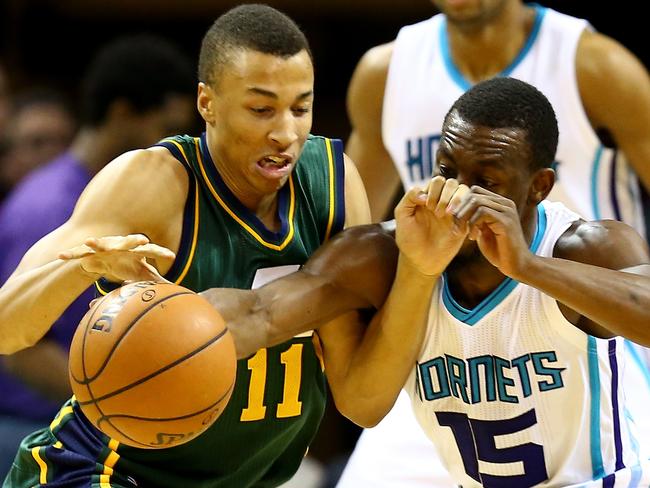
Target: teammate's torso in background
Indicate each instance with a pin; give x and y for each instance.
(423, 83)
(512, 389)
(279, 397)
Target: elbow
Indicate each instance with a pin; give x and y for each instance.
(8, 347)
(365, 414)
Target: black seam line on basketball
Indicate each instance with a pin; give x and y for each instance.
(159, 371)
(107, 418)
(121, 433)
(83, 343)
(127, 330)
(169, 419)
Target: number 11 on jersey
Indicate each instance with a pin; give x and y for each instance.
(290, 405)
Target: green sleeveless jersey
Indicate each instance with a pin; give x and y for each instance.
(279, 396)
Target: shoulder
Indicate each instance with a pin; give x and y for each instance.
(366, 90)
(154, 166)
(373, 66)
(376, 60)
(139, 187)
(357, 209)
(605, 243)
(601, 61)
(598, 52)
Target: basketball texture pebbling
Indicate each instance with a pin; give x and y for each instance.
(152, 365)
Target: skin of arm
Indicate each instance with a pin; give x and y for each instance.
(613, 84)
(334, 281)
(29, 365)
(601, 276)
(365, 145)
(123, 199)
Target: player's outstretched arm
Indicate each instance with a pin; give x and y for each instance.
(123, 201)
(353, 271)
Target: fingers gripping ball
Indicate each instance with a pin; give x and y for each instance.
(152, 365)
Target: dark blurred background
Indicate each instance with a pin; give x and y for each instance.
(50, 42)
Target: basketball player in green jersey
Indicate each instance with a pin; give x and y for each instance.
(250, 199)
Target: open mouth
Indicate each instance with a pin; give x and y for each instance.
(273, 162)
(274, 166)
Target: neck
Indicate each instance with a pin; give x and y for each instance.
(471, 277)
(264, 206)
(483, 49)
(94, 148)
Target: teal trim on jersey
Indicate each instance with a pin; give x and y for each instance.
(638, 361)
(595, 167)
(455, 73)
(598, 471)
(471, 317)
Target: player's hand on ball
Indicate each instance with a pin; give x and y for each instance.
(121, 258)
(427, 232)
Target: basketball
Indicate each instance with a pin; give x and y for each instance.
(152, 365)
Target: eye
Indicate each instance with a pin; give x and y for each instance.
(300, 111)
(486, 183)
(446, 171)
(260, 110)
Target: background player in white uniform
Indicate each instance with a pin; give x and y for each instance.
(519, 379)
(397, 113)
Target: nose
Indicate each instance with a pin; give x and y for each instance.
(463, 180)
(284, 131)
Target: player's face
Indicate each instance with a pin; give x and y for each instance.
(495, 159)
(469, 11)
(262, 115)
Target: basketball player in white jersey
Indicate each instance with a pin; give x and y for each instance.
(519, 378)
(397, 99)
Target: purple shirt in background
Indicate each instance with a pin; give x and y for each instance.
(39, 204)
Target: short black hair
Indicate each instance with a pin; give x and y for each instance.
(506, 102)
(41, 95)
(255, 27)
(141, 69)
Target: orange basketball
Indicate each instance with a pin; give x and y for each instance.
(152, 365)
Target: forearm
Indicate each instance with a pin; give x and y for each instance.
(30, 302)
(618, 301)
(381, 362)
(44, 367)
(280, 310)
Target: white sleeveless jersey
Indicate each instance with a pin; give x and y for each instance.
(512, 394)
(423, 83)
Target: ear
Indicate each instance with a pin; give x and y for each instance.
(541, 185)
(205, 102)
